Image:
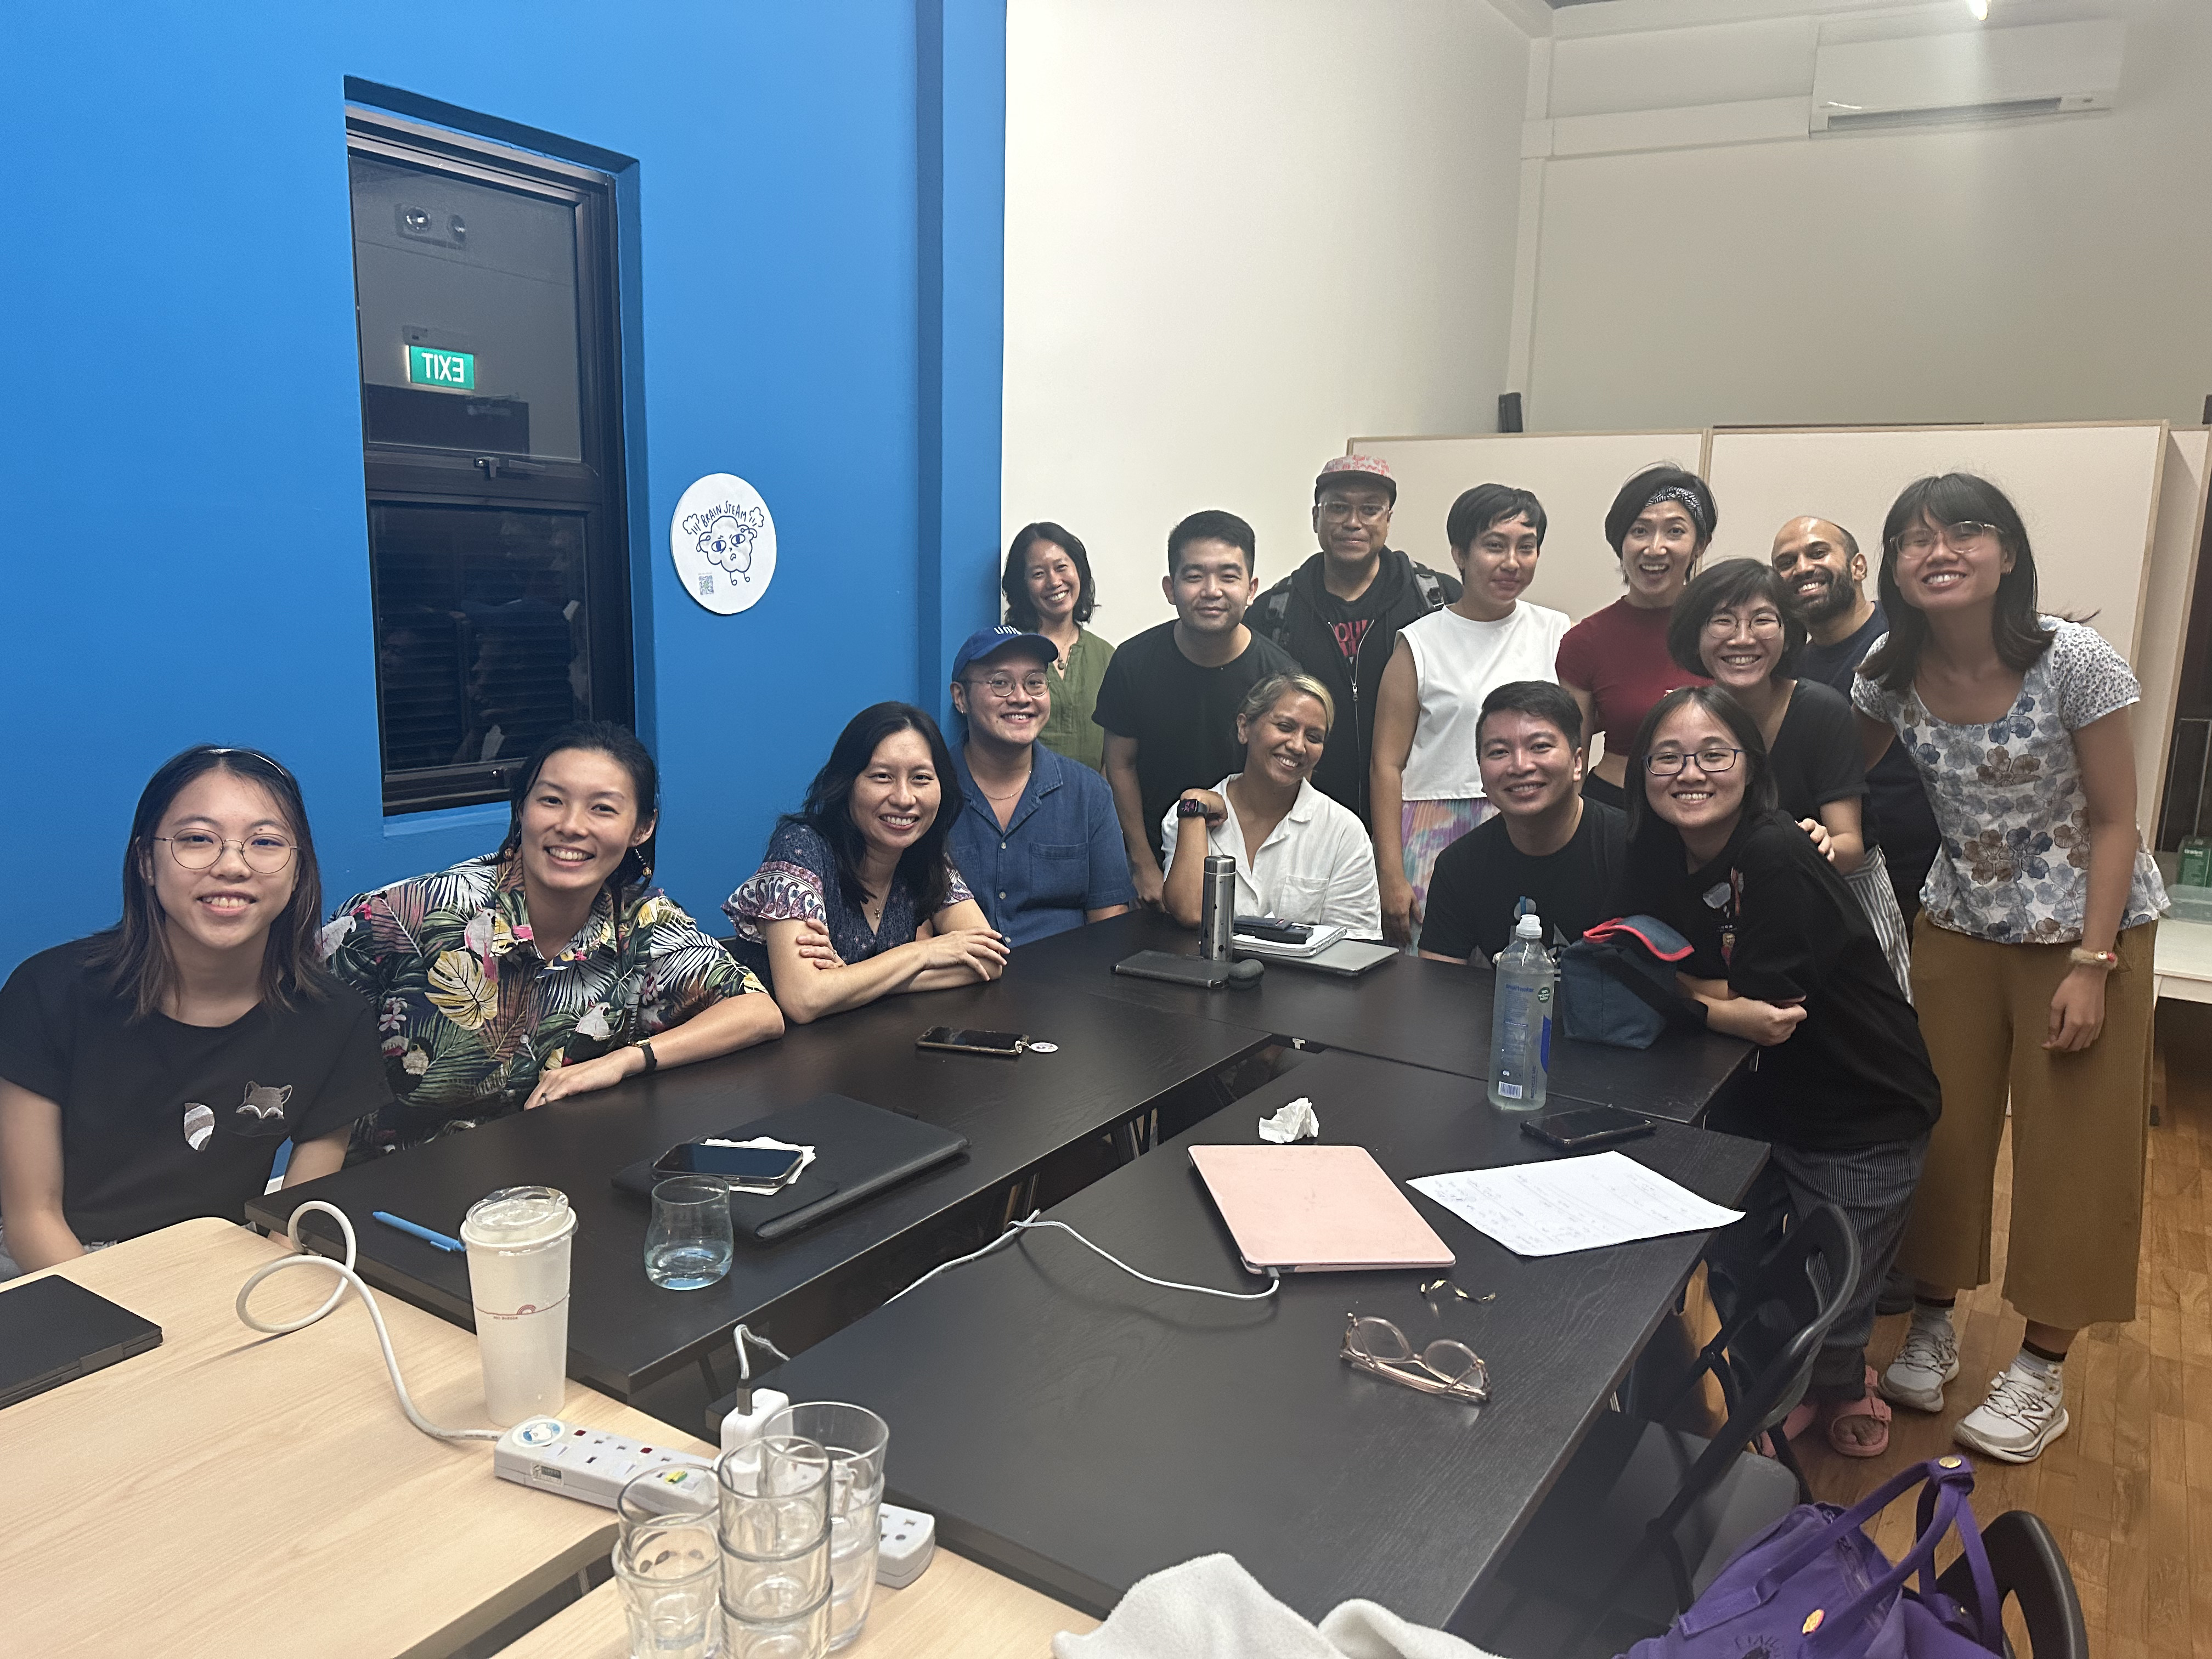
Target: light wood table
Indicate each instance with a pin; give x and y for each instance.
(2183, 969)
(230, 1493)
(956, 1610)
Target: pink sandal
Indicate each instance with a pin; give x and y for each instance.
(1870, 1405)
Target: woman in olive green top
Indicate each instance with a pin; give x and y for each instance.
(1050, 592)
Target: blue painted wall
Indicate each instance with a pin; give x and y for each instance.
(811, 269)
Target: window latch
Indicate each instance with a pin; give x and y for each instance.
(492, 465)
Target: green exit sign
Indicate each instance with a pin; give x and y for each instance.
(456, 371)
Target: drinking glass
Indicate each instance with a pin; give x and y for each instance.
(678, 1495)
(803, 1633)
(691, 1242)
(774, 1526)
(856, 1440)
(669, 1575)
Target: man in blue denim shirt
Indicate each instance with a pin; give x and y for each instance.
(1036, 838)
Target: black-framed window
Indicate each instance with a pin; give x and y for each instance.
(485, 295)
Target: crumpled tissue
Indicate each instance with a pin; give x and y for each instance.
(1296, 1122)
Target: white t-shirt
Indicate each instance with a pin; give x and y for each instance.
(1457, 664)
(1317, 866)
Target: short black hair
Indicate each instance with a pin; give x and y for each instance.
(1542, 700)
(1487, 504)
(1015, 584)
(1730, 583)
(1214, 526)
(1636, 494)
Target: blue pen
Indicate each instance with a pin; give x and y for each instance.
(420, 1232)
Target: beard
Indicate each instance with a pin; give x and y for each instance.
(1833, 600)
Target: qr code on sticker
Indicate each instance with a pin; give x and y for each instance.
(705, 581)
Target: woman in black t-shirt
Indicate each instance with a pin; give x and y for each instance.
(1739, 623)
(1843, 1091)
(148, 1074)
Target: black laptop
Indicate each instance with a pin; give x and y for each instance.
(54, 1331)
(859, 1150)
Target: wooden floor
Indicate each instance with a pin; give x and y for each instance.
(2127, 1488)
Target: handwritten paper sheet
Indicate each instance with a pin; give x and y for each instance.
(1571, 1204)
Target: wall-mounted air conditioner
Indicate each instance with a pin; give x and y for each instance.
(1977, 75)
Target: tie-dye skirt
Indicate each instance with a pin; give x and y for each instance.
(1426, 828)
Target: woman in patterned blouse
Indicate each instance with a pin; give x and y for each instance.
(2031, 959)
(548, 968)
(856, 898)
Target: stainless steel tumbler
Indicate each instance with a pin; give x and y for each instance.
(1217, 914)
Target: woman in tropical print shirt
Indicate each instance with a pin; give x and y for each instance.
(548, 968)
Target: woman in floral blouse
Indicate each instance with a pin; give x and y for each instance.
(2031, 959)
(548, 968)
(856, 898)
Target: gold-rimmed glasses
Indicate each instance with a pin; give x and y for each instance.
(1445, 1366)
(196, 849)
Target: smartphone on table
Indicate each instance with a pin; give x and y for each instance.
(754, 1166)
(1006, 1045)
(1585, 1128)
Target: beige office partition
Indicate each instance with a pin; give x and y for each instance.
(2185, 488)
(2089, 494)
(1574, 474)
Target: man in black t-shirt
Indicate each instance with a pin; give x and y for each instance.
(1822, 563)
(1169, 699)
(1546, 843)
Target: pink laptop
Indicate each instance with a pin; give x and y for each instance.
(1315, 1210)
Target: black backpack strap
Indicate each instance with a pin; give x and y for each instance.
(1276, 605)
(1432, 588)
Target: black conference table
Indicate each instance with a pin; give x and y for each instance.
(1076, 1429)
(1116, 1060)
(1435, 1014)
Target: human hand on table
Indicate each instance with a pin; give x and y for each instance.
(586, 1076)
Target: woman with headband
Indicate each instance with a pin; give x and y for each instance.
(148, 1074)
(1615, 662)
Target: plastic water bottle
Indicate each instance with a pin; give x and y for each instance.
(1520, 1021)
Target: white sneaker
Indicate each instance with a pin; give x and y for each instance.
(2025, 1413)
(1929, 1359)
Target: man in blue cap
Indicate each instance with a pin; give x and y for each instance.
(1036, 837)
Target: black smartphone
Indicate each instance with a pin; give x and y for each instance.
(1273, 930)
(756, 1166)
(1582, 1128)
(1006, 1045)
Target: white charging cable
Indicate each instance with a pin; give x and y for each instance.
(742, 1335)
(1014, 1229)
(347, 1276)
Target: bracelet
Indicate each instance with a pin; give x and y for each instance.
(652, 1060)
(2081, 958)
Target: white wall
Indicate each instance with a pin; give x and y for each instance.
(2052, 270)
(1237, 233)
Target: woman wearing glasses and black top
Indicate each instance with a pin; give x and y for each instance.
(148, 1073)
(1785, 959)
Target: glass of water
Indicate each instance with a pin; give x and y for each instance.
(670, 1571)
(690, 1241)
(856, 1440)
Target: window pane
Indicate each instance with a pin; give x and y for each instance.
(482, 284)
(480, 627)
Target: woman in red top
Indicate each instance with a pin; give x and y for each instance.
(1615, 662)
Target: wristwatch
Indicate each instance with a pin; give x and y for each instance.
(652, 1060)
(2083, 958)
(1188, 808)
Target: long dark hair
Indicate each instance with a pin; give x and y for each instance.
(1646, 829)
(620, 744)
(829, 808)
(1021, 609)
(2015, 627)
(133, 956)
(1723, 586)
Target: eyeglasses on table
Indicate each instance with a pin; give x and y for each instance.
(1446, 1366)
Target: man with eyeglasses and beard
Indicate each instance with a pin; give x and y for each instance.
(1821, 563)
(1339, 612)
(1036, 836)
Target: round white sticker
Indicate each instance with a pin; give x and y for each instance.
(1044, 1048)
(723, 542)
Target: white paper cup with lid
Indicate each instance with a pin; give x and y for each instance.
(518, 1243)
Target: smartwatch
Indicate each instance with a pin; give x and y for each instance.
(1188, 808)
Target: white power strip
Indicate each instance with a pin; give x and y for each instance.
(906, 1544)
(589, 1463)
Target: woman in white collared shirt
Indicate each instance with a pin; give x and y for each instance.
(1300, 856)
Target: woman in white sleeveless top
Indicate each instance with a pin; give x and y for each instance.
(1425, 782)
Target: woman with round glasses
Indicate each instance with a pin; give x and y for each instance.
(1738, 624)
(148, 1073)
(856, 898)
(1049, 591)
(2032, 956)
(1843, 1091)
(549, 968)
